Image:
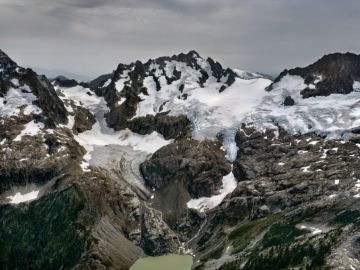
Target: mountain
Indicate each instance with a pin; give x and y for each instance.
(53, 73)
(181, 155)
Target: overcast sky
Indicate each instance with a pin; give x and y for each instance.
(91, 37)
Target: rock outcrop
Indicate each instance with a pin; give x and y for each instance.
(198, 165)
(332, 74)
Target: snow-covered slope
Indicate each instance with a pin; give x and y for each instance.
(333, 116)
(100, 134)
(214, 99)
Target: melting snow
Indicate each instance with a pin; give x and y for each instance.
(314, 230)
(205, 203)
(314, 142)
(19, 198)
(32, 128)
(306, 169)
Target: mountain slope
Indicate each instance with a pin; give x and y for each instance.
(181, 155)
(321, 98)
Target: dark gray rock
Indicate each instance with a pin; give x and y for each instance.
(289, 101)
(83, 120)
(65, 82)
(338, 72)
(198, 165)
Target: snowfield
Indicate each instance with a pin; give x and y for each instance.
(332, 116)
(26, 197)
(207, 203)
(30, 129)
(101, 134)
(16, 98)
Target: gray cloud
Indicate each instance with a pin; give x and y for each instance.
(92, 36)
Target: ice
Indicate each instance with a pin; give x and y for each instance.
(209, 110)
(229, 144)
(26, 197)
(356, 86)
(206, 203)
(331, 116)
(81, 96)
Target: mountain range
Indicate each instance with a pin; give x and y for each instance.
(181, 155)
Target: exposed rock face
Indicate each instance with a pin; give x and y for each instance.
(284, 180)
(169, 126)
(307, 166)
(65, 82)
(13, 76)
(83, 120)
(156, 236)
(48, 101)
(289, 101)
(198, 165)
(332, 74)
(98, 82)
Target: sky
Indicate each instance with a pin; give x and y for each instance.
(91, 37)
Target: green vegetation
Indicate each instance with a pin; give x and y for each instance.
(247, 232)
(202, 241)
(280, 234)
(214, 254)
(303, 256)
(45, 234)
(283, 257)
(347, 217)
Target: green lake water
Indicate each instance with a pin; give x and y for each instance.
(167, 262)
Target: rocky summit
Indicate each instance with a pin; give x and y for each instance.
(180, 155)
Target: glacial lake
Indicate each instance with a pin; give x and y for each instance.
(172, 261)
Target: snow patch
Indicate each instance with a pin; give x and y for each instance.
(206, 203)
(306, 169)
(26, 197)
(356, 86)
(314, 230)
(18, 97)
(30, 129)
(107, 83)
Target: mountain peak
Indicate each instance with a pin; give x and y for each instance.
(332, 74)
(5, 59)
